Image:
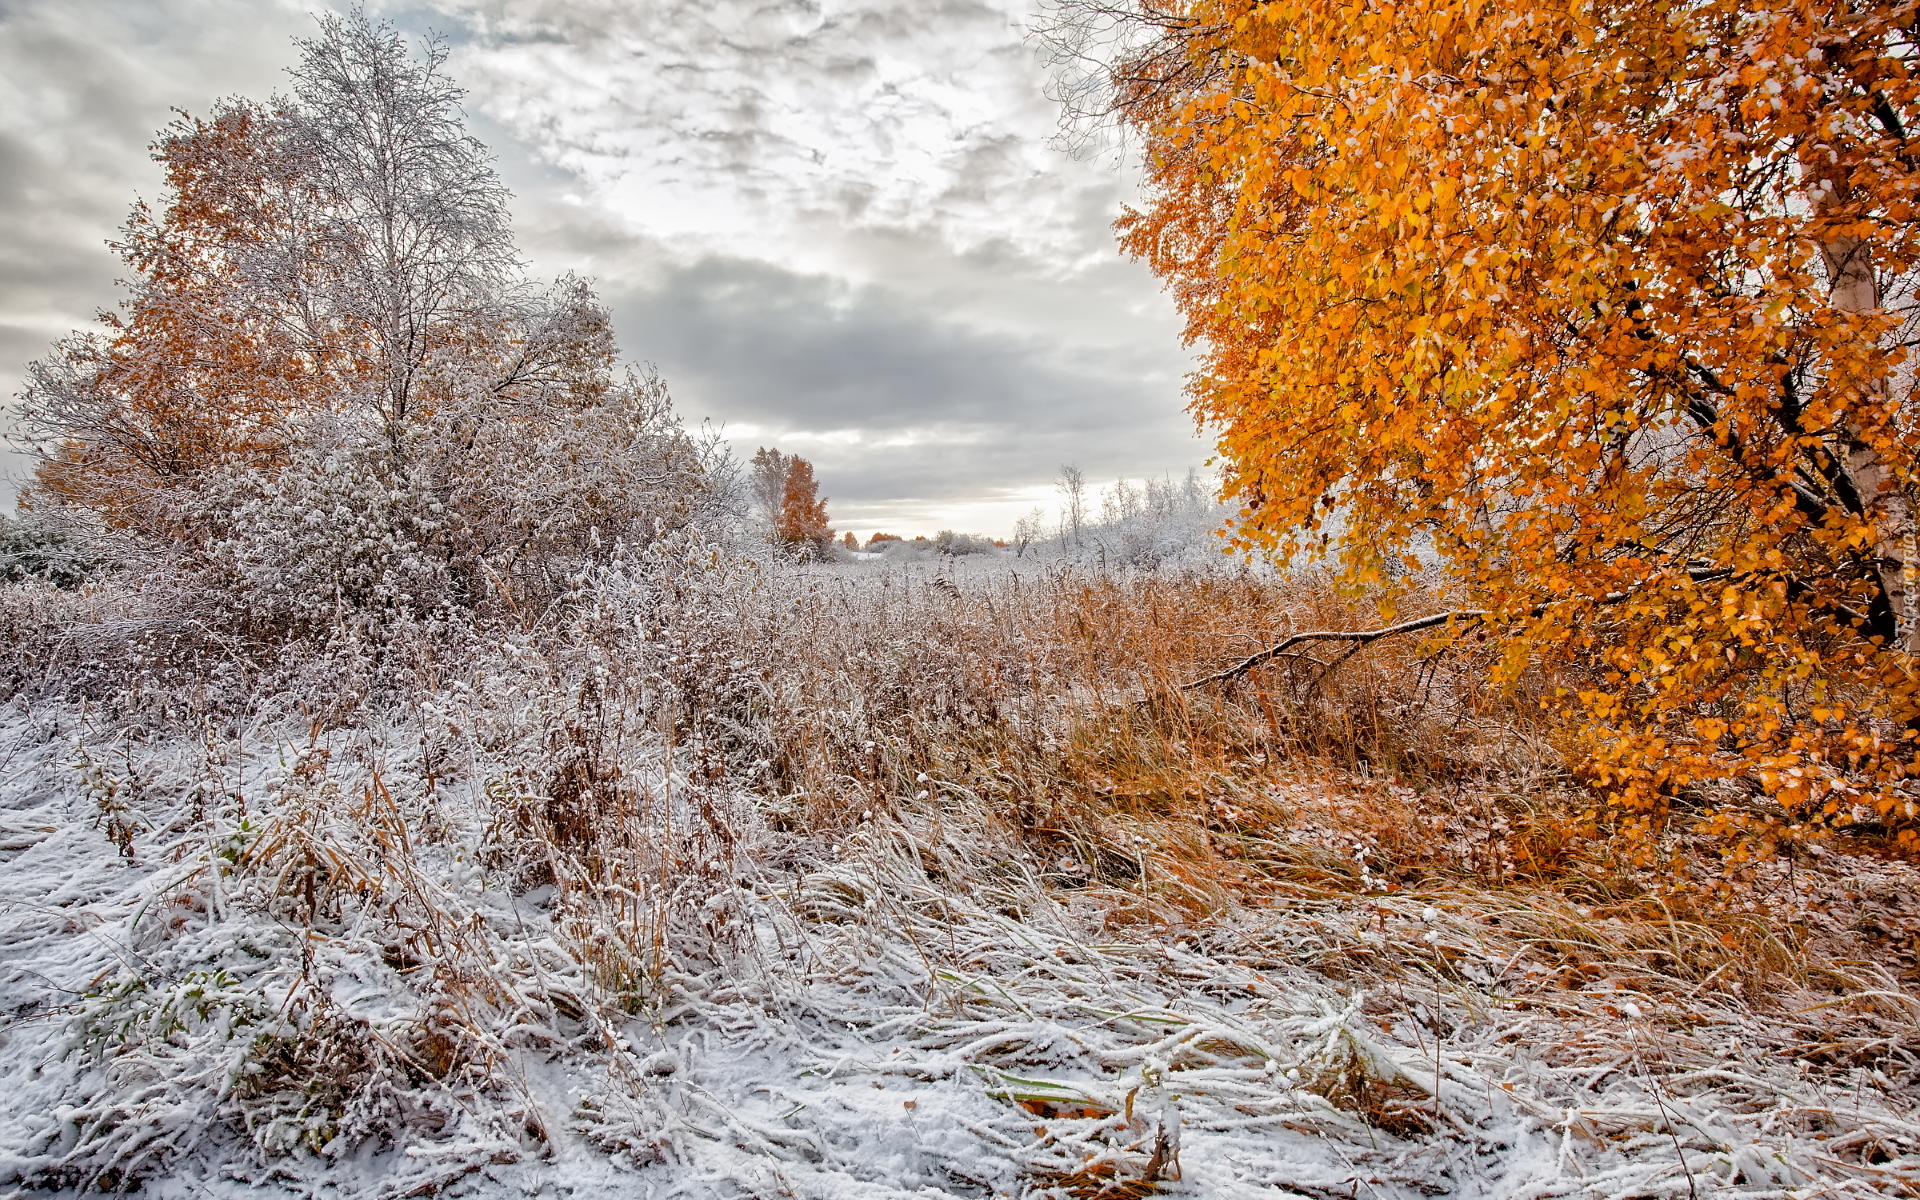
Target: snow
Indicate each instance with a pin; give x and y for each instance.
(849, 1027)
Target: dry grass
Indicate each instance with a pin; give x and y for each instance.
(730, 788)
(1050, 705)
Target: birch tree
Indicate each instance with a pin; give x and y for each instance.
(331, 383)
(1612, 306)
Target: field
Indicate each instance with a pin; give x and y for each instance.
(724, 875)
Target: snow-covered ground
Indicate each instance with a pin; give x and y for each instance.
(332, 964)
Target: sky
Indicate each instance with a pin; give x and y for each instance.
(846, 228)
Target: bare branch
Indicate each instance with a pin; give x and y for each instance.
(1357, 638)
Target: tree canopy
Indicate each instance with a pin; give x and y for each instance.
(331, 384)
(1608, 308)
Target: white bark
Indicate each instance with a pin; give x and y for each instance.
(1856, 289)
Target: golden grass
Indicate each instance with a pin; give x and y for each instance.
(1051, 708)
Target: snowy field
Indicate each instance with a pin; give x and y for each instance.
(323, 964)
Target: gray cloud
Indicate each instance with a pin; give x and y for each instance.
(895, 404)
(845, 229)
(838, 227)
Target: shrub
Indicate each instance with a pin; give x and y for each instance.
(955, 544)
(50, 546)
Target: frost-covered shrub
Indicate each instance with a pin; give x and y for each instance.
(482, 500)
(1156, 524)
(1139, 545)
(950, 543)
(47, 546)
(901, 550)
(342, 528)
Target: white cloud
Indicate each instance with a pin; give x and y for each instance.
(785, 130)
(842, 217)
(839, 225)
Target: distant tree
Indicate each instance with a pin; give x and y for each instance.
(801, 521)
(1123, 503)
(850, 542)
(1028, 530)
(1072, 483)
(767, 483)
(880, 538)
(954, 544)
(1194, 495)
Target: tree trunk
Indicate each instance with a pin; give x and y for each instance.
(1856, 289)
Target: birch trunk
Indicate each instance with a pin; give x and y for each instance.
(1856, 289)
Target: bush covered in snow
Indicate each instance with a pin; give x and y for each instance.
(54, 547)
(472, 504)
(407, 431)
(953, 544)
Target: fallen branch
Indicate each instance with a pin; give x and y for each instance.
(1356, 638)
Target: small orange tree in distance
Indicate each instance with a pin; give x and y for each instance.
(1609, 307)
(784, 489)
(802, 522)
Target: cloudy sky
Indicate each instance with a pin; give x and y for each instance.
(842, 227)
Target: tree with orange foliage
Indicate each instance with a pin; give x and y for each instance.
(193, 374)
(802, 523)
(1609, 310)
(345, 251)
(783, 489)
(331, 387)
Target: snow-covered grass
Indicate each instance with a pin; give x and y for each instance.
(736, 879)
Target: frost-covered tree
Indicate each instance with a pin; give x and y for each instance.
(405, 248)
(1028, 530)
(785, 495)
(331, 384)
(1072, 482)
(1121, 503)
(767, 484)
(1144, 524)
